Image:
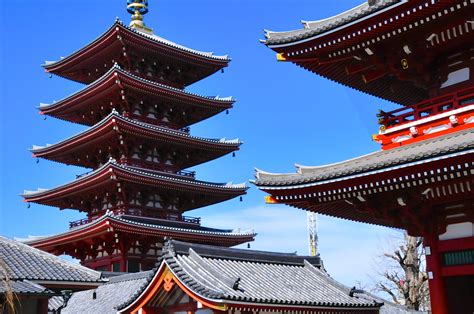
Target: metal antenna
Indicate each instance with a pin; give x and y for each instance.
(312, 233)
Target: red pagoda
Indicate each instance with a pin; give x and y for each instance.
(138, 145)
(419, 54)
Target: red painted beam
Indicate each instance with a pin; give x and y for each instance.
(357, 68)
(190, 306)
(456, 244)
(373, 75)
(438, 297)
(459, 270)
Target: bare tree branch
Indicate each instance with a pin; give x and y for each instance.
(403, 277)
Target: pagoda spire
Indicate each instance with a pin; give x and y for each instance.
(138, 8)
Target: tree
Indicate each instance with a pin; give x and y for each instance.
(403, 274)
(7, 297)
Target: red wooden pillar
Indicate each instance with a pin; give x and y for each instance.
(439, 304)
(150, 310)
(42, 306)
(123, 263)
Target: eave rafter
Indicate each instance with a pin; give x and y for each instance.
(118, 44)
(118, 88)
(93, 146)
(111, 178)
(404, 38)
(403, 197)
(109, 228)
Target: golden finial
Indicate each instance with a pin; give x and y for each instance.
(138, 8)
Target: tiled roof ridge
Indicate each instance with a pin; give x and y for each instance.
(309, 173)
(51, 258)
(240, 296)
(397, 149)
(117, 68)
(229, 185)
(111, 216)
(169, 43)
(114, 114)
(318, 27)
(112, 162)
(130, 276)
(170, 259)
(256, 256)
(26, 287)
(222, 232)
(320, 272)
(154, 38)
(179, 263)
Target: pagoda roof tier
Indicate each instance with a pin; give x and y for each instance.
(118, 84)
(433, 174)
(120, 42)
(115, 178)
(386, 48)
(120, 130)
(109, 224)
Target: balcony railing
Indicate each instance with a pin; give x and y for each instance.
(169, 217)
(186, 173)
(158, 167)
(80, 222)
(427, 108)
(156, 122)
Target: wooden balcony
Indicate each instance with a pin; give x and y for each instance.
(168, 217)
(428, 108)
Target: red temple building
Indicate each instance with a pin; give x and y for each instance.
(138, 147)
(419, 54)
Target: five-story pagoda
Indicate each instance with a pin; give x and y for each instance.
(138, 145)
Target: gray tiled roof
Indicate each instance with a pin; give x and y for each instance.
(117, 291)
(179, 135)
(461, 142)
(112, 163)
(150, 224)
(117, 69)
(153, 38)
(313, 28)
(24, 287)
(26, 263)
(265, 278)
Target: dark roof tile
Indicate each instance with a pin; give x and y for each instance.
(25, 262)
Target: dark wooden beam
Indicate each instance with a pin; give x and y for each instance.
(373, 75)
(359, 67)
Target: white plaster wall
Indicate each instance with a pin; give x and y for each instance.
(456, 231)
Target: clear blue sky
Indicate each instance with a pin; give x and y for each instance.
(284, 114)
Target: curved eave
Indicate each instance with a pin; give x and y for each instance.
(315, 30)
(115, 34)
(119, 124)
(439, 148)
(216, 298)
(326, 47)
(113, 172)
(120, 78)
(109, 223)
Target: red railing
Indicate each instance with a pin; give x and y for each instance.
(79, 222)
(156, 122)
(429, 107)
(158, 167)
(170, 217)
